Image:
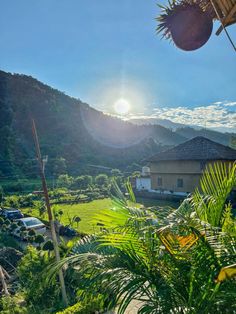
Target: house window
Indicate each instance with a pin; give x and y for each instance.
(202, 165)
(159, 181)
(180, 183)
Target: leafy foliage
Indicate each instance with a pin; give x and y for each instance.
(13, 305)
(167, 260)
(216, 184)
(32, 281)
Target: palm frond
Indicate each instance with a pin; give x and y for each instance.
(130, 259)
(216, 183)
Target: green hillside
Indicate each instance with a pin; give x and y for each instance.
(72, 134)
(67, 128)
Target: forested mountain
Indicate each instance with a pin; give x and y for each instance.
(69, 129)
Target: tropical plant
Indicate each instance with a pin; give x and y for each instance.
(44, 298)
(165, 260)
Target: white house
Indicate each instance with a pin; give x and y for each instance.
(144, 182)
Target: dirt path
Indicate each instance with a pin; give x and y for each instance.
(132, 308)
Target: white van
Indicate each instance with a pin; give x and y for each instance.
(31, 223)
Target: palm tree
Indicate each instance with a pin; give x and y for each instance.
(166, 259)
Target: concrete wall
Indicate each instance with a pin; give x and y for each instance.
(170, 171)
(169, 182)
(143, 183)
(182, 166)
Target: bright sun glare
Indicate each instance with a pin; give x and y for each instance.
(122, 106)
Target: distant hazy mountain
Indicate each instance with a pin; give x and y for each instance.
(223, 138)
(155, 121)
(187, 131)
(71, 129)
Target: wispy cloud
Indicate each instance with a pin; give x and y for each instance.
(230, 104)
(219, 115)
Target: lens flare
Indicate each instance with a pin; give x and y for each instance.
(122, 106)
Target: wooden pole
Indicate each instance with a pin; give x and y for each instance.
(49, 211)
(213, 3)
(3, 282)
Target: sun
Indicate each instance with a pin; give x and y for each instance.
(122, 106)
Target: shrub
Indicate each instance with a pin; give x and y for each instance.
(24, 235)
(39, 239)
(12, 305)
(4, 227)
(32, 277)
(88, 304)
(26, 201)
(101, 179)
(74, 309)
(12, 201)
(7, 222)
(83, 182)
(64, 180)
(31, 232)
(116, 173)
(31, 235)
(13, 226)
(48, 246)
(8, 241)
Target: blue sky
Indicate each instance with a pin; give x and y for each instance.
(103, 50)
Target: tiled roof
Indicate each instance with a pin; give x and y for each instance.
(198, 148)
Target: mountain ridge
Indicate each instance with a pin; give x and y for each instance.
(70, 129)
(188, 131)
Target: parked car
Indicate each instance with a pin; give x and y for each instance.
(11, 213)
(30, 223)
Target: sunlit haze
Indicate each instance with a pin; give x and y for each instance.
(122, 106)
(107, 50)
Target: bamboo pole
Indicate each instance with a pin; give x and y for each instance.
(49, 211)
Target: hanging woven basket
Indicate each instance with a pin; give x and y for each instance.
(186, 24)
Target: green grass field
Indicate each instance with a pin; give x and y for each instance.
(85, 211)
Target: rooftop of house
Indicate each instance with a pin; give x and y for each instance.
(198, 148)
